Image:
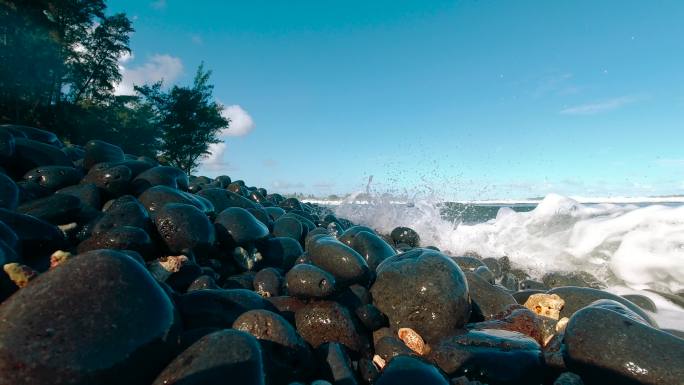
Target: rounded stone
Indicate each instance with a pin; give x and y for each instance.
(203, 282)
(603, 346)
(184, 228)
(88, 193)
(572, 278)
(154, 198)
(287, 355)
(29, 154)
(37, 238)
(218, 307)
(50, 333)
(268, 282)
(642, 301)
(97, 151)
(222, 199)
(288, 227)
(406, 236)
(225, 356)
(56, 209)
(490, 356)
(309, 281)
(345, 264)
(280, 252)
(9, 193)
(488, 300)
(406, 370)
(112, 179)
(53, 177)
(422, 290)
(124, 211)
(119, 238)
(171, 177)
(348, 235)
(237, 226)
(327, 321)
(372, 248)
(578, 297)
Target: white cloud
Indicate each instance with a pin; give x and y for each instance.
(158, 67)
(600, 106)
(241, 124)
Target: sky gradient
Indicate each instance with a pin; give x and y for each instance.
(470, 99)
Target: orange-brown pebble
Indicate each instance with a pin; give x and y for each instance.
(413, 340)
(19, 274)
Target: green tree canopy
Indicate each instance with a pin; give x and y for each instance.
(189, 119)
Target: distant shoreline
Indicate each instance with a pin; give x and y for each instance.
(531, 201)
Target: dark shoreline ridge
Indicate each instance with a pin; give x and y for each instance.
(118, 270)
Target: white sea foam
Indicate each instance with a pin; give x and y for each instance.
(627, 246)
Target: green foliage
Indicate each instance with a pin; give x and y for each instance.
(58, 68)
(189, 119)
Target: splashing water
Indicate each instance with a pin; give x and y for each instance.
(630, 248)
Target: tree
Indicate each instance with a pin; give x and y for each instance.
(94, 66)
(188, 118)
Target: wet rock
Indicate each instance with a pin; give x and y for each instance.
(288, 227)
(8, 236)
(240, 281)
(372, 248)
(287, 356)
(203, 282)
(371, 317)
(522, 295)
(340, 260)
(225, 355)
(546, 305)
(348, 235)
(568, 378)
(467, 263)
(6, 146)
(510, 282)
(30, 191)
(37, 238)
(422, 290)
(218, 307)
(170, 177)
(354, 296)
(287, 306)
(280, 252)
(112, 179)
(336, 364)
(32, 133)
(487, 299)
(603, 346)
(185, 229)
(87, 193)
(578, 297)
(137, 166)
(29, 154)
(97, 151)
(368, 372)
(485, 273)
(515, 319)
(326, 321)
(189, 337)
(529, 284)
(9, 193)
(406, 370)
(222, 199)
(274, 212)
(309, 281)
(261, 215)
(290, 204)
(490, 356)
(184, 277)
(268, 282)
(120, 238)
(673, 298)
(573, 278)
(157, 197)
(642, 301)
(127, 341)
(237, 226)
(53, 177)
(56, 209)
(124, 211)
(405, 235)
(494, 266)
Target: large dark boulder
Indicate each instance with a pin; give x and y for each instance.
(423, 290)
(99, 318)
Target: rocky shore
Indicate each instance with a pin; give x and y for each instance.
(118, 270)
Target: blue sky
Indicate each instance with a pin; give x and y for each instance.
(472, 99)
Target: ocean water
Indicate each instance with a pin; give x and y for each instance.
(635, 247)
